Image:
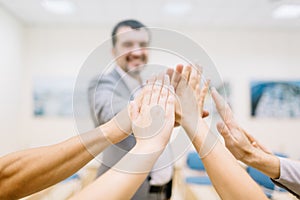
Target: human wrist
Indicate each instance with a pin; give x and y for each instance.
(112, 132)
(194, 126)
(199, 136)
(141, 154)
(269, 164)
(253, 157)
(148, 147)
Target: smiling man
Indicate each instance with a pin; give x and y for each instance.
(110, 93)
(130, 47)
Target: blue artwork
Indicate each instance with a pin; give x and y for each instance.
(275, 99)
(53, 96)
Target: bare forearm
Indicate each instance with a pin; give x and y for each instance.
(29, 171)
(266, 163)
(26, 172)
(122, 181)
(126, 176)
(224, 171)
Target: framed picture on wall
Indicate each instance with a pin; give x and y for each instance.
(275, 99)
(52, 96)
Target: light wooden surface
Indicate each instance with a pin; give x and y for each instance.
(186, 191)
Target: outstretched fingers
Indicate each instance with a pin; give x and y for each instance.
(147, 93)
(166, 97)
(194, 78)
(156, 89)
(176, 75)
(170, 104)
(223, 109)
(148, 89)
(163, 96)
(224, 131)
(202, 94)
(186, 73)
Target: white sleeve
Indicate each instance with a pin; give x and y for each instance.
(289, 176)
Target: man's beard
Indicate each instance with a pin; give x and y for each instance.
(135, 71)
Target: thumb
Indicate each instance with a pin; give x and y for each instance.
(170, 73)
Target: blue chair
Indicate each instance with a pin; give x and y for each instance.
(195, 162)
(283, 155)
(199, 180)
(72, 177)
(264, 180)
(260, 178)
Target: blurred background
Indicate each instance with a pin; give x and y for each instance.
(44, 43)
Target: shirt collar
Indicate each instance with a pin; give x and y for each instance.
(130, 82)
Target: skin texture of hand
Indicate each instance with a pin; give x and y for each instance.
(157, 102)
(225, 173)
(183, 92)
(190, 98)
(241, 144)
(26, 172)
(153, 121)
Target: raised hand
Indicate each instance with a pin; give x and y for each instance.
(178, 76)
(220, 165)
(190, 98)
(153, 118)
(152, 115)
(240, 143)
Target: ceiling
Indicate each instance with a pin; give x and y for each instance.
(213, 13)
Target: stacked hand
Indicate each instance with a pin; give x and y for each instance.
(156, 108)
(152, 113)
(190, 98)
(186, 82)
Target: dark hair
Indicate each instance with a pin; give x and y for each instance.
(134, 24)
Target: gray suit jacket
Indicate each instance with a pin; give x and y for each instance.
(107, 96)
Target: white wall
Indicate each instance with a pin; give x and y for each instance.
(53, 52)
(11, 40)
(240, 56)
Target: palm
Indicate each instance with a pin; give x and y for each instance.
(186, 103)
(189, 98)
(239, 146)
(153, 116)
